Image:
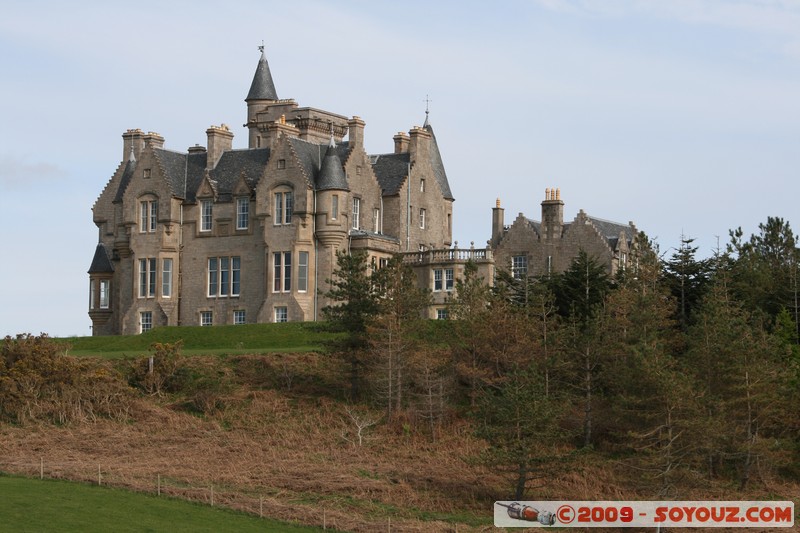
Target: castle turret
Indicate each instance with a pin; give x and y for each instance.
(262, 91)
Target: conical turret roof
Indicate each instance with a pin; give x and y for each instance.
(331, 174)
(262, 87)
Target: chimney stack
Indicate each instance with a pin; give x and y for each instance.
(153, 140)
(355, 131)
(552, 214)
(401, 141)
(132, 140)
(498, 216)
(220, 139)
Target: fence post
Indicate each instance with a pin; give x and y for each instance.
(158, 490)
(98, 476)
(212, 495)
(41, 467)
(261, 507)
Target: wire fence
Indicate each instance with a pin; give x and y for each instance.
(235, 498)
(263, 505)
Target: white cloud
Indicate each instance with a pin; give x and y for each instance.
(16, 173)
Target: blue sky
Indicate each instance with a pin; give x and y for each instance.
(680, 115)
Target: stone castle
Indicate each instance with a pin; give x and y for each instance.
(215, 235)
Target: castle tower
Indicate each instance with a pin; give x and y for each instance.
(262, 92)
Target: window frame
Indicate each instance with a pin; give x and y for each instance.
(148, 216)
(105, 294)
(519, 266)
(356, 223)
(334, 207)
(242, 213)
(206, 318)
(281, 272)
(302, 271)
(224, 276)
(145, 325)
(281, 314)
(206, 215)
(422, 214)
(284, 207)
(147, 277)
(166, 277)
(239, 317)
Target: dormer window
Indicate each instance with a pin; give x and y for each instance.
(242, 213)
(206, 215)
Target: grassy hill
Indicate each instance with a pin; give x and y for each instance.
(288, 337)
(31, 505)
(261, 414)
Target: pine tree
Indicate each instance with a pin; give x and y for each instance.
(355, 304)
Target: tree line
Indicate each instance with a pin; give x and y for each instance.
(682, 369)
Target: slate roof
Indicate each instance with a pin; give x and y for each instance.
(127, 175)
(438, 165)
(262, 88)
(391, 171)
(611, 230)
(311, 156)
(331, 175)
(608, 229)
(237, 163)
(101, 262)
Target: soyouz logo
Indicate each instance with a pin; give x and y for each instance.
(757, 514)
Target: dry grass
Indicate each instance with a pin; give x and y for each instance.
(292, 455)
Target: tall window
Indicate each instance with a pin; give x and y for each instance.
(239, 317)
(284, 206)
(242, 213)
(206, 215)
(148, 216)
(549, 265)
(334, 207)
(147, 278)
(437, 280)
(448, 279)
(282, 272)
(356, 213)
(376, 220)
(92, 295)
(206, 318)
(145, 321)
(224, 276)
(302, 272)
(105, 293)
(281, 314)
(422, 214)
(422, 185)
(166, 278)
(519, 266)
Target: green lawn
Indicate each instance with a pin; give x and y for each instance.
(246, 338)
(31, 505)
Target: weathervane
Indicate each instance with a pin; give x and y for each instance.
(261, 48)
(427, 105)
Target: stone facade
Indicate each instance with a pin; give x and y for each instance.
(220, 236)
(535, 248)
(215, 235)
